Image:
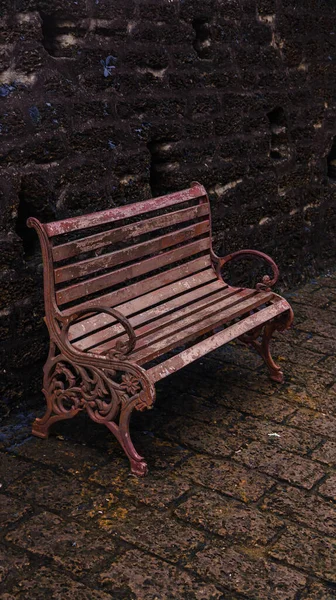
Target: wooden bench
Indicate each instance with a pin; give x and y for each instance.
(124, 287)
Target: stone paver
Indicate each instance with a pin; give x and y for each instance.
(239, 502)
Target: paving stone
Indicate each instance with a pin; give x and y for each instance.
(158, 492)
(11, 564)
(138, 576)
(11, 510)
(211, 439)
(309, 389)
(316, 422)
(326, 453)
(238, 354)
(302, 507)
(226, 477)
(330, 365)
(296, 545)
(259, 579)
(193, 407)
(11, 468)
(228, 518)
(46, 583)
(151, 530)
(273, 434)
(328, 488)
(321, 328)
(284, 465)
(74, 458)
(66, 543)
(61, 493)
(258, 405)
(320, 344)
(317, 591)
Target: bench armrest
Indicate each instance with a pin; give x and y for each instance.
(122, 348)
(267, 282)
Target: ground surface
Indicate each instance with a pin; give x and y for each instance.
(239, 502)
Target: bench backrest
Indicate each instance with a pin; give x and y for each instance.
(146, 245)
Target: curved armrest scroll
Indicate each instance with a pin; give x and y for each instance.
(122, 348)
(267, 282)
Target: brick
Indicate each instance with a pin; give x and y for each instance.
(135, 575)
(275, 435)
(225, 517)
(62, 494)
(45, 582)
(73, 458)
(295, 545)
(66, 543)
(315, 422)
(299, 506)
(326, 453)
(328, 488)
(11, 468)
(11, 510)
(151, 530)
(226, 477)
(284, 465)
(252, 578)
(11, 564)
(317, 591)
(202, 438)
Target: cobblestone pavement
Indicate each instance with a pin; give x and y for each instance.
(239, 502)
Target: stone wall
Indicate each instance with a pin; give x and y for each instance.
(111, 101)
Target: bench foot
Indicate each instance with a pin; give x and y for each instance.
(263, 346)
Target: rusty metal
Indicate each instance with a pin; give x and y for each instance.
(104, 335)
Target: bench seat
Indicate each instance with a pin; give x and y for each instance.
(134, 294)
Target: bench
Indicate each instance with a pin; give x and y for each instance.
(132, 295)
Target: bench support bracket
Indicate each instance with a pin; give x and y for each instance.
(109, 395)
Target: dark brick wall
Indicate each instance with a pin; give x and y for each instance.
(111, 101)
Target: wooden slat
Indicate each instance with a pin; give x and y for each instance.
(177, 288)
(118, 257)
(96, 284)
(205, 321)
(151, 320)
(177, 362)
(124, 212)
(144, 286)
(133, 230)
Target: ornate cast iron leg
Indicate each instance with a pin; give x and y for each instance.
(263, 347)
(106, 392)
(122, 433)
(51, 390)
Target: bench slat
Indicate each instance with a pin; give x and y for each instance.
(198, 328)
(150, 320)
(184, 358)
(147, 285)
(137, 251)
(124, 212)
(101, 282)
(133, 230)
(89, 325)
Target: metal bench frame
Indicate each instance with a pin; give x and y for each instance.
(107, 379)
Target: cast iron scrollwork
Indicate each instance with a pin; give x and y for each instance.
(267, 282)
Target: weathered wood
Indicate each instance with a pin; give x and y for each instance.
(150, 321)
(184, 358)
(197, 325)
(118, 257)
(124, 274)
(133, 230)
(149, 284)
(175, 290)
(124, 212)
